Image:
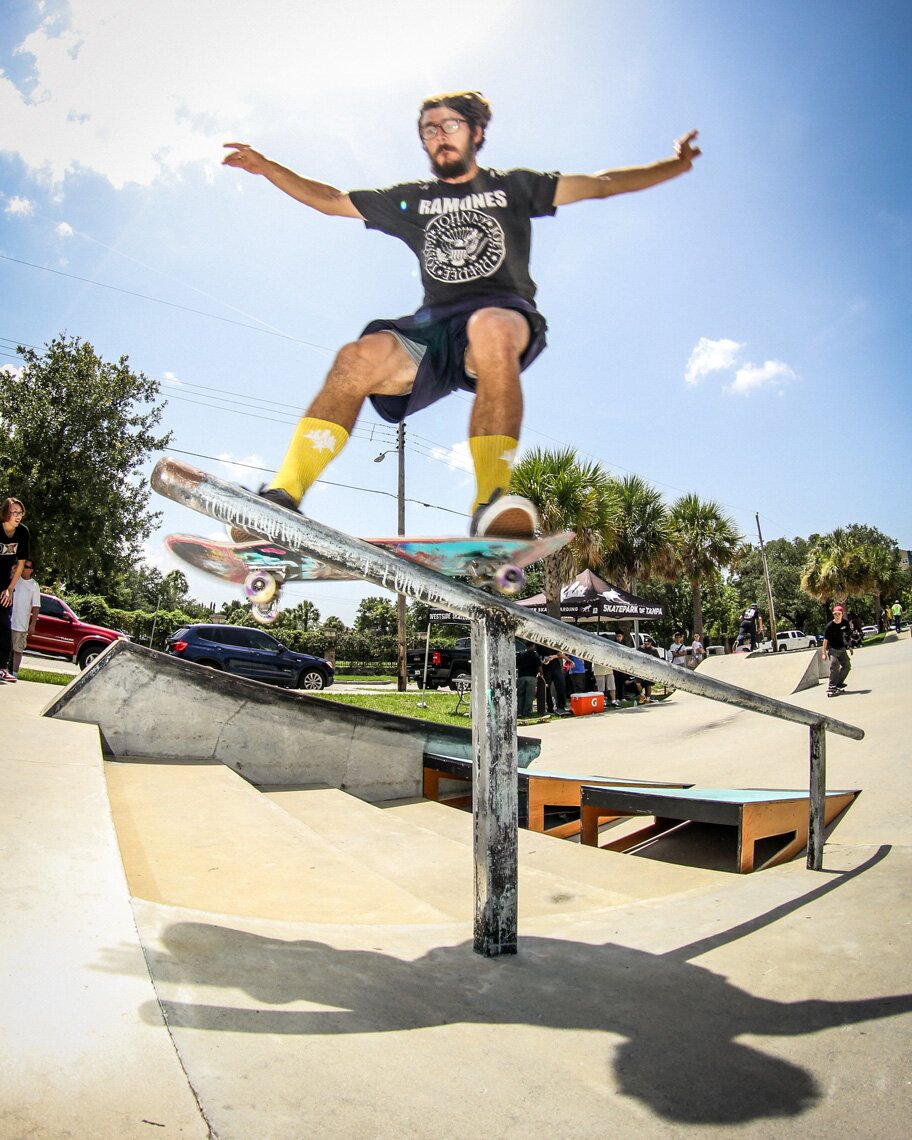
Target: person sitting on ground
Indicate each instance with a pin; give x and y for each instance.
(624, 682)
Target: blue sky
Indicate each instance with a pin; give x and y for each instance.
(742, 332)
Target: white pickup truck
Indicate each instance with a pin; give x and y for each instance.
(790, 639)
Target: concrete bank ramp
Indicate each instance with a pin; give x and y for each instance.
(772, 674)
(150, 704)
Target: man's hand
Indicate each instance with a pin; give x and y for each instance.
(685, 149)
(244, 157)
(6, 598)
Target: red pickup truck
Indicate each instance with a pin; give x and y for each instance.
(60, 632)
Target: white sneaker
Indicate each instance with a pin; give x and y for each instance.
(8, 677)
(505, 516)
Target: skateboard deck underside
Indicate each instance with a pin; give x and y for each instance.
(474, 557)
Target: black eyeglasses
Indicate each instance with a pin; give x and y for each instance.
(28, 566)
(448, 126)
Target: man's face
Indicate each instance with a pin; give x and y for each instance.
(837, 615)
(27, 570)
(451, 155)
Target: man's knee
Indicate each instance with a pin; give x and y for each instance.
(375, 364)
(498, 329)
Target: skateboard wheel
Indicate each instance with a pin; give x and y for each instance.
(265, 614)
(259, 586)
(509, 579)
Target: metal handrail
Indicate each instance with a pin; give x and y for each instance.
(495, 621)
(231, 504)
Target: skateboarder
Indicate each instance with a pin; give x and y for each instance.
(836, 649)
(751, 624)
(478, 327)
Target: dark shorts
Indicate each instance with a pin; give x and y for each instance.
(437, 334)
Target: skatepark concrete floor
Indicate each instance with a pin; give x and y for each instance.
(186, 955)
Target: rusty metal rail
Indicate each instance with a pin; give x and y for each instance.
(495, 621)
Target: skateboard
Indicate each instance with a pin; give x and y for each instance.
(263, 567)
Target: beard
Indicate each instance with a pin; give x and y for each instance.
(452, 164)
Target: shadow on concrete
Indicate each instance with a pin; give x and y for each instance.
(681, 1057)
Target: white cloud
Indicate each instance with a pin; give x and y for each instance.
(457, 458)
(171, 380)
(752, 377)
(19, 207)
(64, 230)
(248, 469)
(711, 356)
(135, 92)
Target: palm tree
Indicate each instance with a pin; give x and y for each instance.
(835, 568)
(643, 541)
(569, 495)
(705, 540)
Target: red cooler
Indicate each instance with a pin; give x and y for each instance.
(581, 704)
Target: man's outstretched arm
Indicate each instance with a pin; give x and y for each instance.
(605, 183)
(317, 195)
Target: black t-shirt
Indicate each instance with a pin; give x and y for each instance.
(471, 238)
(837, 634)
(12, 550)
(527, 663)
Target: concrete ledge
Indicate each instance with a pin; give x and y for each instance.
(152, 705)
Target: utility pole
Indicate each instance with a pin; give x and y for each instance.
(401, 678)
(769, 588)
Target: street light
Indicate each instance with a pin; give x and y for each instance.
(401, 678)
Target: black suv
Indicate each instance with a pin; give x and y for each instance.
(250, 653)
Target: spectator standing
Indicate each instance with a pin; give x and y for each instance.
(649, 648)
(677, 651)
(896, 611)
(26, 607)
(528, 664)
(604, 679)
(14, 553)
(697, 650)
(836, 649)
(555, 686)
(576, 677)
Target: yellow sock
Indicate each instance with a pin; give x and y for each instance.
(313, 445)
(493, 456)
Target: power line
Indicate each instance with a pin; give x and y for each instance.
(168, 304)
(327, 482)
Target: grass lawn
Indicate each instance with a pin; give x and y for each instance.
(439, 705)
(44, 677)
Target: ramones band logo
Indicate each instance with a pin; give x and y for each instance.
(463, 246)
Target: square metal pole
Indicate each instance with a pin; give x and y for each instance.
(817, 808)
(494, 804)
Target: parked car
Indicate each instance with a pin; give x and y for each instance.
(790, 639)
(251, 653)
(869, 631)
(61, 633)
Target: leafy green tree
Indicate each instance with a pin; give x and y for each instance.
(836, 567)
(643, 547)
(705, 541)
(75, 432)
(569, 495)
(376, 616)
